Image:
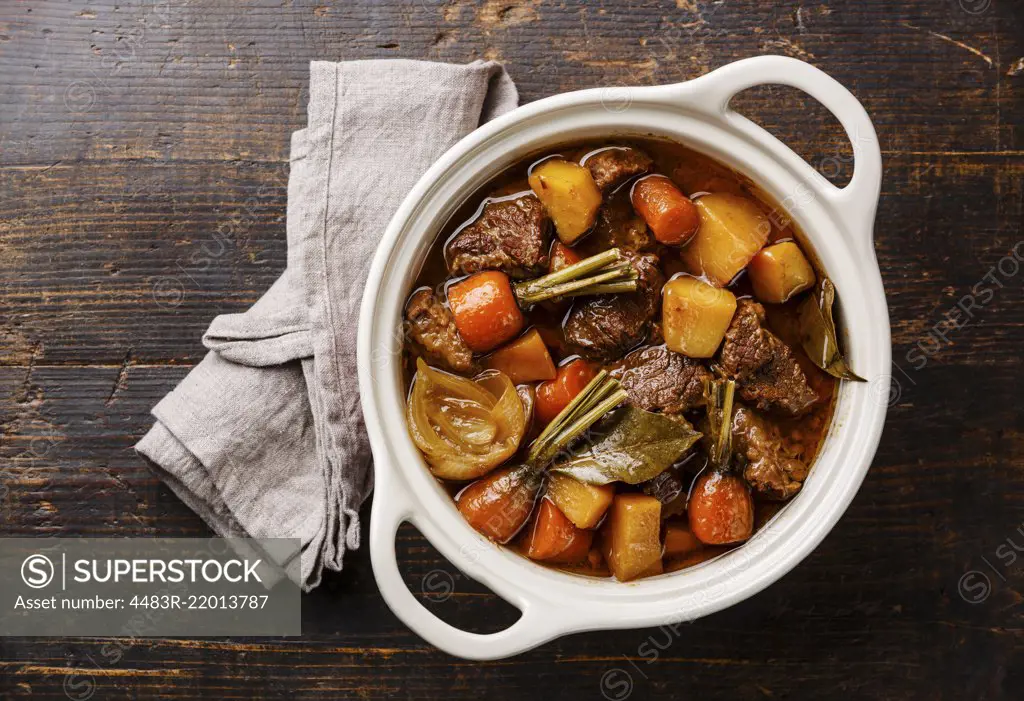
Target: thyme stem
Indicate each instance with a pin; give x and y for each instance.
(605, 289)
(719, 394)
(572, 432)
(608, 268)
(601, 395)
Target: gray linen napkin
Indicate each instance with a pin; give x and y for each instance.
(265, 437)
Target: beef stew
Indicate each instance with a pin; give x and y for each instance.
(621, 358)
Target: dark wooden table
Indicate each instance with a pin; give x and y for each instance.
(132, 132)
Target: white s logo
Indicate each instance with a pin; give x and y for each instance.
(37, 571)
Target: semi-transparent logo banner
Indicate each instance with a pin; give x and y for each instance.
(141, 587)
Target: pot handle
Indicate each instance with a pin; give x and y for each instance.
(856, 203)
(538, 624)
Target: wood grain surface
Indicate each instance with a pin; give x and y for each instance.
(143, 165)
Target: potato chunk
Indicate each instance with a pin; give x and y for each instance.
(583, 504)
(778, 272)
(632, 542)
(695, 316)
(570, 196)
(525, 359)
(732, 229)
(657, 567)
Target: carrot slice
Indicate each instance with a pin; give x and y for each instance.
(485, 309)
(554, 538)
(498, 504)
(555, 395)
(671, 215)
(525, 359)
(721, 510)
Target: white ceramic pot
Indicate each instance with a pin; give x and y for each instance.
(838, 223)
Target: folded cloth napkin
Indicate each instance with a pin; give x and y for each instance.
(265, 437)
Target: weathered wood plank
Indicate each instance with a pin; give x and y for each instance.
(158, 80)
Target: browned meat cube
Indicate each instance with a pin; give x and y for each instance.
(671, 488)
(615, 165)
(769, 466)
(606, 326)
(430, 325)
(766, 372)
(618, 226)
(510, 235)
(658, 379)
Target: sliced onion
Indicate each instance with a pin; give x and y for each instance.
(465, 428)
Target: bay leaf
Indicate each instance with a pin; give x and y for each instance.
(818, 332)
(635, 446)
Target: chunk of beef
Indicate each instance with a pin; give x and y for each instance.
(618, 226)
(658, 379)
(615, 165)
(670, 488)
(604, 327)
(766, 372)
(431, 326)
(769, 466)
(509, 235)
(655, 335)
